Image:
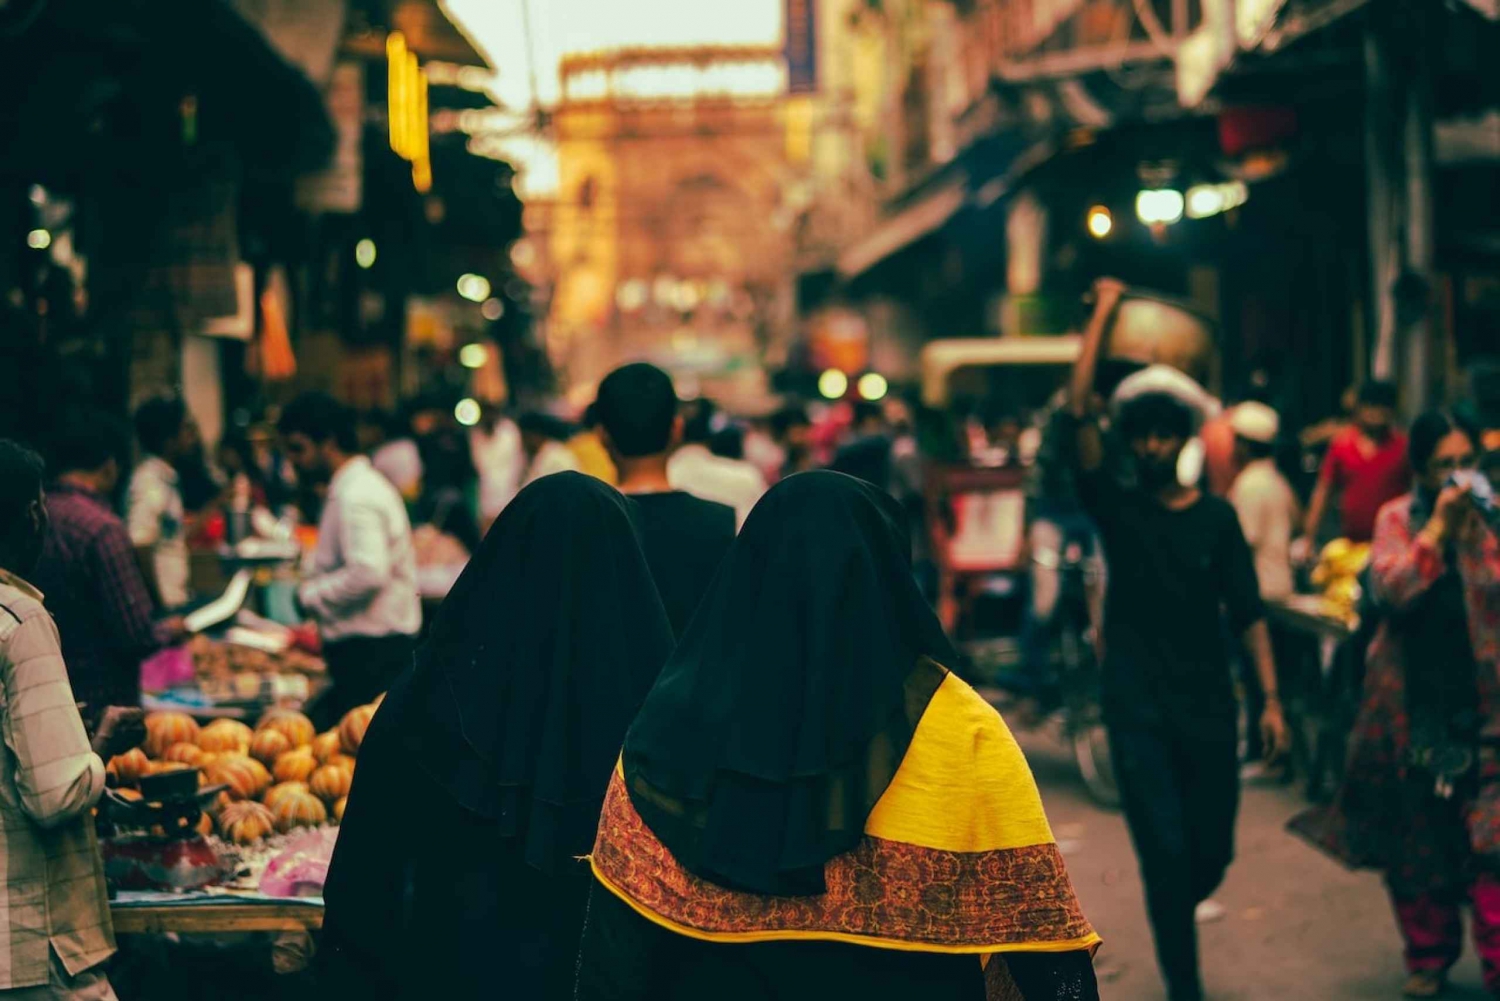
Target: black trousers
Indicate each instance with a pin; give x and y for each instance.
(360, 667)
(1181, 794)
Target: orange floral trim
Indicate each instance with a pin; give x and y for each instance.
(883, 893)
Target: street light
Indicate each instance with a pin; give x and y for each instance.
(492, 309)
(1100, 222)
(833, 384)
(1159, 206)
(1204, 200)
(39, 239)
(364, 253)
(872, 386)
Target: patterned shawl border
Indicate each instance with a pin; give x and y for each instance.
(630, 862)
(1091, 941)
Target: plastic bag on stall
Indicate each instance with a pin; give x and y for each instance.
(302, 867)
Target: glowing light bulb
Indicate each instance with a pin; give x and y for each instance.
(364, 253)
(475, 288)
(872, 386)
(468, 411)
(833, 384)
(473, 355)
(1160, 206)
(1100, 222)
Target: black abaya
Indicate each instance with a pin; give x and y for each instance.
(480, 779)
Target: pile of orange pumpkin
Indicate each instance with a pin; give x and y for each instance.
(281, 775)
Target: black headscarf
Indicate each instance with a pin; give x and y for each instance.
(791, 700)
(536, 663)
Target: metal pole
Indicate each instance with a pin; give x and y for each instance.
(1418, 329)
(1379, 194)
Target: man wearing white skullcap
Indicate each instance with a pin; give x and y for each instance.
(1263, 499)
(1269, 515)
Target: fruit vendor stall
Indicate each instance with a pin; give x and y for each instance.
(224, 828)
(1321, 663)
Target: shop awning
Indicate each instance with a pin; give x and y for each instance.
(925, 215)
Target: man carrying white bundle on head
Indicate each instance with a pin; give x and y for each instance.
(1178, 563)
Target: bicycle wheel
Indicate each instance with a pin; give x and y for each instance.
(1091, 751)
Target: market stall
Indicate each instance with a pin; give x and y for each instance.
(143, 913)
(223, 829)
(1321, 666)
(248, 651)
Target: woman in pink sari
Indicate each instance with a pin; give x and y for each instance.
(1421, 796)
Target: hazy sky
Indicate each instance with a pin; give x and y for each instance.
(567, 26)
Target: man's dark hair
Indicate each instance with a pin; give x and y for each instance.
(783, 420)
(1256, 449)
(85, 440)
(321, 418)
(158, 421)
(545, 425)
(1158, 413)
(637, 405)
(867, 410)
(699, 426)
(1378, 394)
(1431, 428)
(728, 443)
(21, 472)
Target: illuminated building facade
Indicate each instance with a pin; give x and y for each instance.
(670, 237)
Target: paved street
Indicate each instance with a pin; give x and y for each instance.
(1298, 927)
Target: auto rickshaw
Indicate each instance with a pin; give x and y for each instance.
(975, 490)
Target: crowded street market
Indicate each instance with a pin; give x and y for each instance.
(771, 500)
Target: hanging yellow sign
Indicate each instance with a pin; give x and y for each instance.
(406, 109)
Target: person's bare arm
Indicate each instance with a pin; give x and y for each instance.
(1090, 446)
(1317, 506)
(1257, 640)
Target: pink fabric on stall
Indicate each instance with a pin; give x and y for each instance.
(166, 669)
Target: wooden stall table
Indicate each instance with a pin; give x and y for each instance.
(215, 918)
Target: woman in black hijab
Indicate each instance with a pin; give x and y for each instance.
(479, 784)
(809, 805)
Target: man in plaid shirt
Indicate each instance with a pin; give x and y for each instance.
(89, 571)
(54, 909)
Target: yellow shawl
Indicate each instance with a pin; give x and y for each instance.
(957, 857)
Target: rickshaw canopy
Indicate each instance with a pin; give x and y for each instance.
(940, 359)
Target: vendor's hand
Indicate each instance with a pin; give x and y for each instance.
(1302, 550)
(120, 729)
(1454, 505)
(1274, 735)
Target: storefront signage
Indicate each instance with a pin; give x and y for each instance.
(801, 46)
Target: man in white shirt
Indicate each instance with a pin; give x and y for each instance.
(495, 447)
(544, 441)
(696, 470)
(362, 588)
(1269, 515)
(154, 513)
(1263, 499)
